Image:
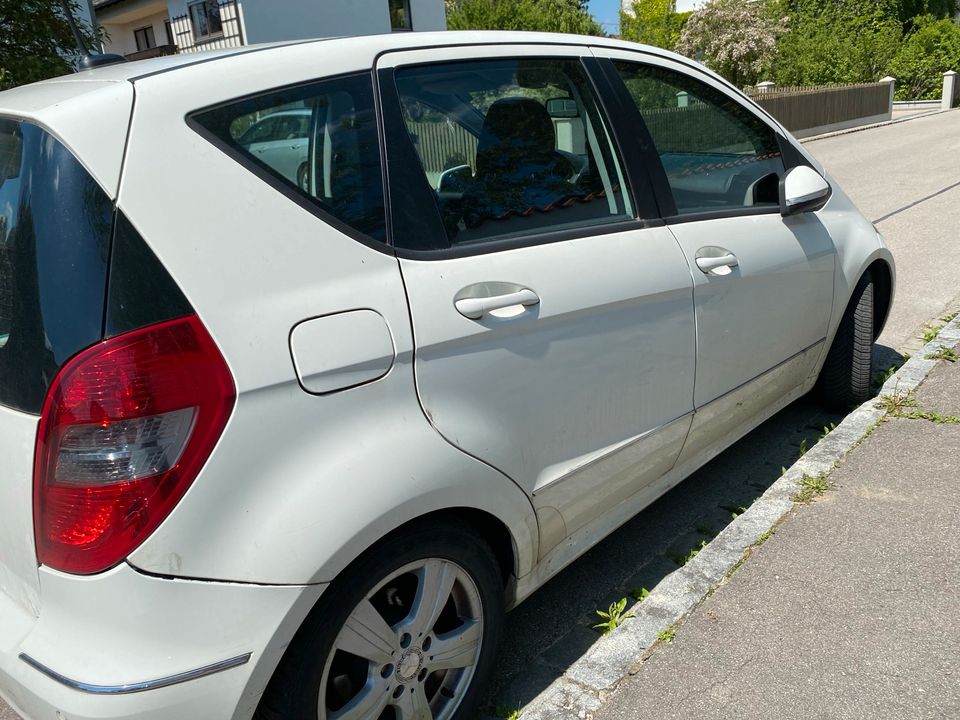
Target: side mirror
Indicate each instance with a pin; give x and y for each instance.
(802, 190)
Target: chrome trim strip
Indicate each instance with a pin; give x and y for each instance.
(131, 688)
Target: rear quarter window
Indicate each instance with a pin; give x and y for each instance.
(55, 228)
(316, 143)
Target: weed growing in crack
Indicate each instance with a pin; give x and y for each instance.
(639, 594)
(944, 353)
(613, 617)
(894, 404)
(682, 560)
(929, 332)
(810, 487)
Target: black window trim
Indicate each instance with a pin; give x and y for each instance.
(789, 154)
(263, 172)
(403, 174)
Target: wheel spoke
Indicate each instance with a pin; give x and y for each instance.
(367, 635)
(456, 649)
(437, 578)
(414, 705)
(368, 704)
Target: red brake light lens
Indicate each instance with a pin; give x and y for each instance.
(126, 427)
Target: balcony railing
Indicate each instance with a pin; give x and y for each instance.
(153, 52)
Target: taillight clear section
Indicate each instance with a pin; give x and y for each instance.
(126, 427)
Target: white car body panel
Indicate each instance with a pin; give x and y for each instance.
(18, 560)
(184, 624)
(311, 471)
(67, 107)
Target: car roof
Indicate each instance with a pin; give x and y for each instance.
(141, 69)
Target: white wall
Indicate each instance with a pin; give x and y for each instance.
(122, 40)
(270, 20)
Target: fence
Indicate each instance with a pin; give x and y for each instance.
(809, 110)
(230, 34)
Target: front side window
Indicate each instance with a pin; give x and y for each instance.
(512, 147)
(318, 142)
(206, 18)
(717, 154)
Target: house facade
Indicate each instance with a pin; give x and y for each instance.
(140, 29)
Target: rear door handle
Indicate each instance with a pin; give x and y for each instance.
(708, 264)
(476, 307)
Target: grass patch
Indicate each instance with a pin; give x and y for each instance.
(506, 713)
(944, 353)
(613, 617)
(949, 317)
(810, 487)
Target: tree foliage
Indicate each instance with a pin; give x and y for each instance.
(653, 22)
(35, 41)
(929, 52)
(565, 16)
(734, 38)
(839, 41)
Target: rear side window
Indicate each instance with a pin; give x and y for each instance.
(317, 143)
(717, 154)
(55, 226)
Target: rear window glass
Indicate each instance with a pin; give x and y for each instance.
(316, 142)
(55, 226)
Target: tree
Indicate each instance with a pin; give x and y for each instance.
(839, 41)
(736, 39)
(652, 22)
(35, 41)
(929, 52)
(565, 16)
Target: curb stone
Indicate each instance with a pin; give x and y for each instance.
(592, 678)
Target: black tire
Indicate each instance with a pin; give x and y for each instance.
(294, 690)
(303, 177)
(846, 376)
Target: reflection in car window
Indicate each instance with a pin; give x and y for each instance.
(512, 147)
(319, 139)
(717, 154)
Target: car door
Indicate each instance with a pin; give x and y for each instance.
(763, 283)
(553, 321)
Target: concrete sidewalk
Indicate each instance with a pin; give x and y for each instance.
(850, 610)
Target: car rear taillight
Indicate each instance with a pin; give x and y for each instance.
(126, 427)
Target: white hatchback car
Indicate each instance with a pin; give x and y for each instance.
(282, 447)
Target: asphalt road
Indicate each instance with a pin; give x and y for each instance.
(906, 178)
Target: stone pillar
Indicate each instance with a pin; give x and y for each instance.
(892, 82)
(683, 99)
(766, 86)
(949, 89)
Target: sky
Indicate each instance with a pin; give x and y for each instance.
(607, 12)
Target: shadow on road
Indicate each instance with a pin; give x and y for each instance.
(554, 627)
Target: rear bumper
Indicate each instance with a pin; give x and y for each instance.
(127, 645)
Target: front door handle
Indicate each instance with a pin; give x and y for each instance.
(476, 307)
(709, 264)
